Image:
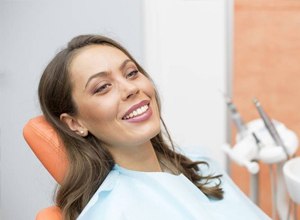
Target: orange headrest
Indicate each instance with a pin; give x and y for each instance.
(47, 146)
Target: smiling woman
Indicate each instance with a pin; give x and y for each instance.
(106, 110)
(117, 104)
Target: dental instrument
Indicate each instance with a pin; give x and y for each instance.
(236, 117)
(270, 126)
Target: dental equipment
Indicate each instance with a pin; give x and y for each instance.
(291, 171)
(269, 142)
(270, 126)
(245, 152)
(278, 187)
(243, 156)
(248, 162)
(236, 117)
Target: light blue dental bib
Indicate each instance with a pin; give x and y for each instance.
(134, 195)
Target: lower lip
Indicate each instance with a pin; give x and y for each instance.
(143, 117)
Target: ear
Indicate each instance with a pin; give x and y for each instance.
(74, 124)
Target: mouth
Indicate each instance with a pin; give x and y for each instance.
(137, 110)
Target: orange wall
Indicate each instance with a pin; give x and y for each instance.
(266, 66)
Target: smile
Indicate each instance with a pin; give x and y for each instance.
(136, 112)
(139, 112)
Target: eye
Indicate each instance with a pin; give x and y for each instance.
(102, 89)
(132, 74)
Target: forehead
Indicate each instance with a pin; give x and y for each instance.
(96, 57)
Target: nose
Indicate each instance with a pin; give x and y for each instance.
(129, 89)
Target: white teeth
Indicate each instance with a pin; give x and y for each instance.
(137, 112)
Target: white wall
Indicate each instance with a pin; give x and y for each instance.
(32, 31)
(186, 53)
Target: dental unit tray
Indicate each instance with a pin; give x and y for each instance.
(246, 151)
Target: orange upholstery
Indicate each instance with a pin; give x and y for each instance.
(50, 213)
(47, 146)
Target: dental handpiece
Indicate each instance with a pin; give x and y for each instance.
(236, 117)
(270, 126)
(257, 141)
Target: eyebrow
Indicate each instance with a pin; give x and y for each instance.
(104, 73)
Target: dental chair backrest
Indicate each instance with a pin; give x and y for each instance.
(49, 149)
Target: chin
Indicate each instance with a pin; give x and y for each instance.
(148, 135)
(155, 132)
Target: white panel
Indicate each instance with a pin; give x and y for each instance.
(185, 52)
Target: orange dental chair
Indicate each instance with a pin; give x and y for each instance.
(47, 146)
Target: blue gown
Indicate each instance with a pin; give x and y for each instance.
(135, 195)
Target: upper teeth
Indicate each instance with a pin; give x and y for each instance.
(137, 112)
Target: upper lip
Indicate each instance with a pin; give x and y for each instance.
(136, 106)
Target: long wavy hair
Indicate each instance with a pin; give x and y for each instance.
(89, 161)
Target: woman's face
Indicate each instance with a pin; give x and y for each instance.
(115, 102)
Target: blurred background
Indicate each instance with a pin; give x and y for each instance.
(195, 50)
(266, 66)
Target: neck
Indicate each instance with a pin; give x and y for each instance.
(139, 158)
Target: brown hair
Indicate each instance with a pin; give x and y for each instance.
(87, 153)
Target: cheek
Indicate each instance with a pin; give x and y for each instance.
(95, 114)
(150, 91)
(148, 87)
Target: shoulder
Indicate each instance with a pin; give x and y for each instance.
(107, 202)
(106, 188)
